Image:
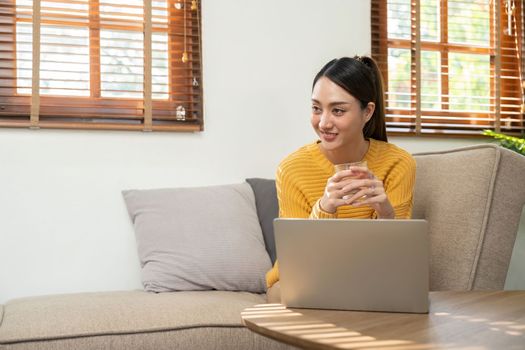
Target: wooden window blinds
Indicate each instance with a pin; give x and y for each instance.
(450, 66)
(101, 64)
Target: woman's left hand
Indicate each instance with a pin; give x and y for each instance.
(371, 192)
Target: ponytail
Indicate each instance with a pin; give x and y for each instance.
(376, 127)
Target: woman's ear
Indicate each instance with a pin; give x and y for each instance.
(369, 111)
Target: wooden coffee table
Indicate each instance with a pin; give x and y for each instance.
(457, 320)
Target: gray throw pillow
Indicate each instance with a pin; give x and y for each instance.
(199, 238)
(267, 210)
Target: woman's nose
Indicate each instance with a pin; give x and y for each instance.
(325, 122)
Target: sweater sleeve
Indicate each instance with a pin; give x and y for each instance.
(292, 202)
(399, 186)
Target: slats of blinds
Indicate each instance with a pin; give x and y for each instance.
(115, 64)
(7, 58)
(461, 87)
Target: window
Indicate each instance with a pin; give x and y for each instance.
(101, 64)
(450, 66)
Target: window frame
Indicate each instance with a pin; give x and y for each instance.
(416, 120)
(113, 113)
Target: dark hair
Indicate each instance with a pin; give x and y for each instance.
(361, 78)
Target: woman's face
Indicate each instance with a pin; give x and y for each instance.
(337, 117)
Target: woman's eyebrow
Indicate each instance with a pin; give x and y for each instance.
(334, 103)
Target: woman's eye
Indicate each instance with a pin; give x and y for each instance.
(316, 109)
(338, 111)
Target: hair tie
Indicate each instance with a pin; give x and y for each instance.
(363, 60)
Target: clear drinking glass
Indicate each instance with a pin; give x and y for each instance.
(355, 176)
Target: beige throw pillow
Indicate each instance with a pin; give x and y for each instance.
(199, 238)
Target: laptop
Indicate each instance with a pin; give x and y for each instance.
(353, 264)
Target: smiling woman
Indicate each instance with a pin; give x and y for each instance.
(349, 118)
(101, 64)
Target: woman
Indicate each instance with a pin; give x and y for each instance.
(348, 115)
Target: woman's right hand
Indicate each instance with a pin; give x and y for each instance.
(339, 186)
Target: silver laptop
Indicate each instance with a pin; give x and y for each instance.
(353, 264)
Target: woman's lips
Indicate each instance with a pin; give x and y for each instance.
(328, 136)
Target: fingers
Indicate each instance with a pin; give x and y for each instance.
(364, 192)
(355, 171)
(333, 198)
(358, 187)
(355, 186)
(352, 185)
(378, 199)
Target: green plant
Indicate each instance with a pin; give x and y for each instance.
(516, 144)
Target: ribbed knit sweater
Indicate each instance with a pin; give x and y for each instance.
(302, 176)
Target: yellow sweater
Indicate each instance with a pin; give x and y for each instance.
(302, 176)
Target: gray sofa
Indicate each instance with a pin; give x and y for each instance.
(472, 198)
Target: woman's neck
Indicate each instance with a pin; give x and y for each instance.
(351, 153)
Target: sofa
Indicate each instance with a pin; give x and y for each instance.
(472, 198)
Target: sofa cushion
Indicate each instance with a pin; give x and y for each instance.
(131, 320)
(199, 238)
(267, 210)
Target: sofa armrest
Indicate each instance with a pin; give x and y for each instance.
(473, 202)
(503, 218)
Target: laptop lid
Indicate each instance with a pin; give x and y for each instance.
(353, 264)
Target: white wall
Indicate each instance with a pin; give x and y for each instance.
(63, 223)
